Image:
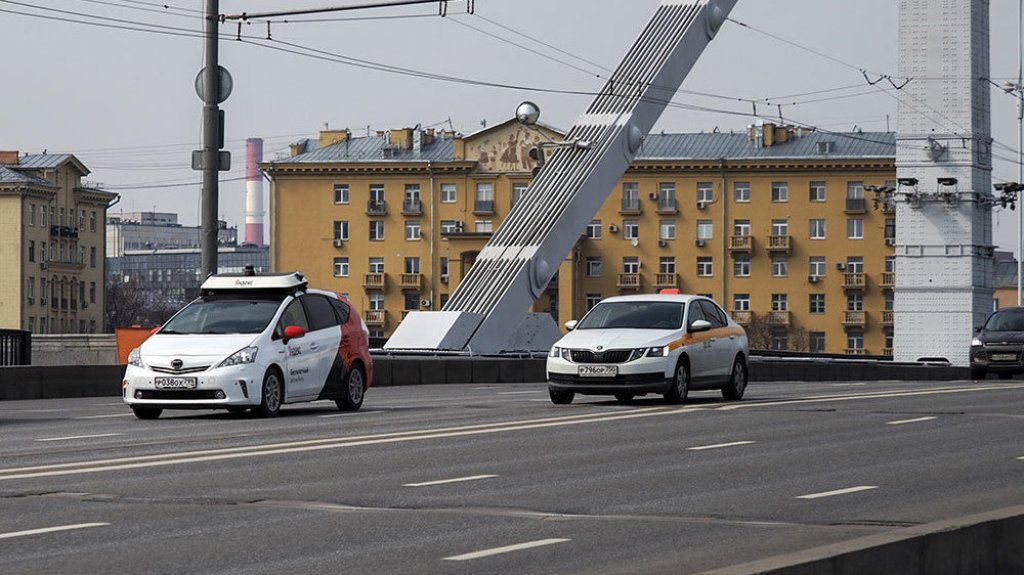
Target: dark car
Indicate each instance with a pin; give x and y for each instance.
(998, 345)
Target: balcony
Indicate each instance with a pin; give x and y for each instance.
(668, 206)
(64, 232)
(630, 206)
(376, 208)
(628, 281)
(375, 281)
(411, 281)
(855, 319)
(888, 279)
(856, 206)
(740, 244)
(887, 318)
(856, 351)
(412, 208)
(483, 207)
(666, 281)
(376, 317)
(854, 281)
(743, 317)
(888, 207)
(778, 318)
(779, 244)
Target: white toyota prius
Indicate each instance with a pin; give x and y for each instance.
(666, 344)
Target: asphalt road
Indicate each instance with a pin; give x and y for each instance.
(593, 487)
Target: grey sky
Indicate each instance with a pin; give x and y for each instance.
(81, 89)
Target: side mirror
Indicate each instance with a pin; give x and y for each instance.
(571, 324)
(977, 329)
(293, 332)
(699, 326)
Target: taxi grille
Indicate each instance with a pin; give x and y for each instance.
(183, 370)
(610, 356)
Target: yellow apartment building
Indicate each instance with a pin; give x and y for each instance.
(774, 223)
(52, 238)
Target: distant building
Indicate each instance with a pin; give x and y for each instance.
(51, 244)
(1005, 281)
(156, 231)
(172, 276)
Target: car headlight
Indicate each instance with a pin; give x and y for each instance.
(555, 351)
(135, 358)
(658, 351)
(566, 354)
(242, 356)
(976, 342)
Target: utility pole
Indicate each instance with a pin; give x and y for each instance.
(212, 139)
(1020, 146)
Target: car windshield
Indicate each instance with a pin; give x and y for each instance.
(223, 315)
(1006, 321)
(634, 315)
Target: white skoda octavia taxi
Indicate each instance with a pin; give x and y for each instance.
(666, 344)
(252, 342)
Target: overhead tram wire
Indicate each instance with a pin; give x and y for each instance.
(142, 9)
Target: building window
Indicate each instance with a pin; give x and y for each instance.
(31, 214)
(43, 222)
(855, 265)
(666, 194)
(667, 230)
(817, 229)
(705, 192)
(705, 267)
(31, 324)
(484, 192)
(855, 302)
(630, 229)
(741, 228)
(377, 194)
(31, 250)
(42, 325)
(816, 266)
(450, 226)
(412, 230)
(92, 221)
(412, 265)
(631, 196)
(31, 290)
(780, 266)
(444, 269)
(412, 194)
(741, 302)
(518, 191)
(376, 265)
(780, 302)
(341, 267)
(667, 265)
(855, 190)
(890, 301)
(412, 300)
(780, 227)
(817, 192)
(630, 265)
(376, 230)
(705, 230)
(443, 299)
(484, 226)
(780, 340)
(92, 292)
(855, 229)
(592, 300)
(741, 265)
(81, 220)
(855, 340)
(780, 192)
(341, 230)
(92, 257)
(890, 264)
(341, 193)
(741, 192)
(593, 267)
(816, 341)
(594, 230)
(448, 193)
(890, 229)
(817, 303)
(376, 300)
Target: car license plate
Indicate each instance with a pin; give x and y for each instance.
(598, 371)
(1004, 357)
(175, 382)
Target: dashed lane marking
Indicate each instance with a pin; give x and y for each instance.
(71, 437)
(844, 491)
(447, 481)
(718, 445)
(915, 420)
(506, 549)
(43, 530)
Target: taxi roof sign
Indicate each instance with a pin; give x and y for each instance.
(253, 281)
(670, 291)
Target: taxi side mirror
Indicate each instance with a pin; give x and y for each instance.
(293, 332)
(699, 326)
(571, 324)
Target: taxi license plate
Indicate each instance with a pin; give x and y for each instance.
(1004, 357)
(175, 382)
(598, 371)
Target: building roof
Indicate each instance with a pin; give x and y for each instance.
(42, 161)
(9, 176)
(662, 146)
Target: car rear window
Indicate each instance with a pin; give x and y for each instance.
(1006, 321)
(320, 312)
(341, 308)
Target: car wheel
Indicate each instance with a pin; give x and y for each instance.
(978, 373)
(270, 405)
(147, 412)
(680, 384)
(624, 397)
(1005, 376)
(561, 397)
(353, 390)
(737, 381)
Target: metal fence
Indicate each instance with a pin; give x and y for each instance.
(15, 347)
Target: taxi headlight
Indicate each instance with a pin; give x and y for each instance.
(566, 354)
(242, 356)
(637, 354)
(658, 351)
(976, 342)
(135, 358)
(555, 351)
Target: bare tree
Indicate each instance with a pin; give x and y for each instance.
(763, 335)
(126, 304)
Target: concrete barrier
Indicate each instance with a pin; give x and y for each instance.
(74, 349)
(981, 544)
(50, 382)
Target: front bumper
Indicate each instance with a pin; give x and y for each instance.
(991, 358)
(645, 375)
(215, 388)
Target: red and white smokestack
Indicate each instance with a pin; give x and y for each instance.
(253, 192)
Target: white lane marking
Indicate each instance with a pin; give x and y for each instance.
(446, 481)
(838, 492)
(70, 437)
(915, 420)
(14, 534)
(350, 414)
(867, 395)
(106, 416)
(487, 387)
(517, 392)
(506, 549)
(718, 445)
